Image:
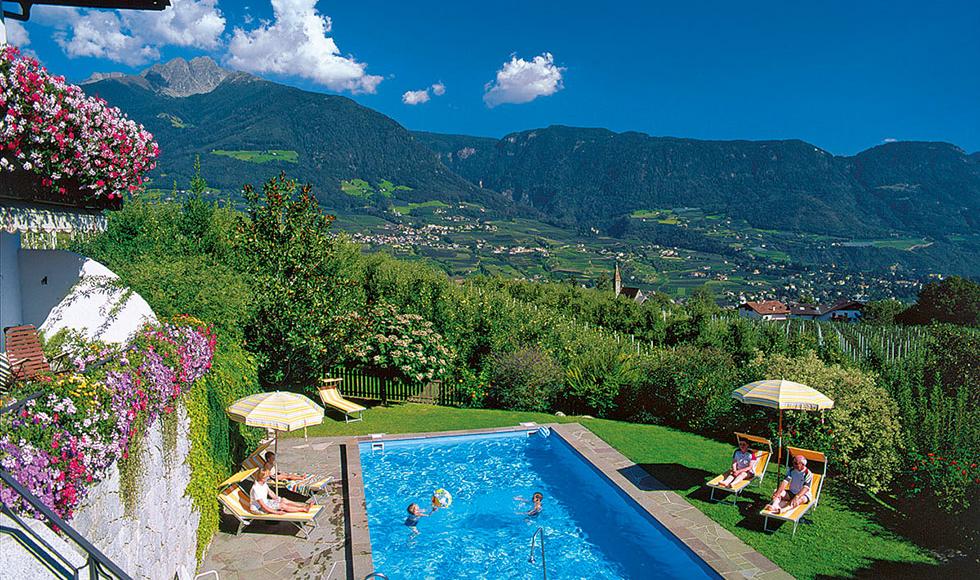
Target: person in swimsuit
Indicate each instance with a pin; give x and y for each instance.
(536, 499)
(415, 513)
(794, 490)
(743, 465)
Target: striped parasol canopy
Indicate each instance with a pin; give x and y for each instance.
(783, 395)
(276, 410)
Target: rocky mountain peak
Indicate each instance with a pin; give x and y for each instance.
(181, 78)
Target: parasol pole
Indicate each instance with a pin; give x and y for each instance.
(779, 453)
(277, 459)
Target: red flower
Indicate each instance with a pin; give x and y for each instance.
(914, 468)
(953, 462)
(931, 454)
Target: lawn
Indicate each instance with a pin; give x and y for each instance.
(407, 209)
(286, 155)
(844, 538)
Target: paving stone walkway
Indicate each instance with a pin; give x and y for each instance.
(276, 550)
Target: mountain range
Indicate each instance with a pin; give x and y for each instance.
(582, 178)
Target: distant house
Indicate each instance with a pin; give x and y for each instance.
(764, 310)
(634, 294)
(803, 311)
(843, 311)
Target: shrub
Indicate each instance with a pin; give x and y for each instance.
(526, 379)
(687, 387)
(861, 435)
(594, 377)
(382, 338)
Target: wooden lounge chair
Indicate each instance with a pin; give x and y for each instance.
(24, 351)
(309, 485)
(236, 501)
(761, 463)
(796, 514)
(331, 397)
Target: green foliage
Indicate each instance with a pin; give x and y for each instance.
(688, 387)
(884, 312)
(383, 338)
(305, 278)
(861, 435)
(595, 376)
(526, 379)
(955, 300)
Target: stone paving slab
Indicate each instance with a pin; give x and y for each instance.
(276, 550)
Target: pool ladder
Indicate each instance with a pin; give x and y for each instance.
(544, 561)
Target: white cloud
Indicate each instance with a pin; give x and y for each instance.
(296, 44)
(416, 97)
(439, 89)
(521, 81)
(889, 140)
(134, 37)
(17, 34)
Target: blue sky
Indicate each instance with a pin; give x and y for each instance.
(843, 75)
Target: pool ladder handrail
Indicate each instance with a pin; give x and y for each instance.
(375, 575)
(544, 560)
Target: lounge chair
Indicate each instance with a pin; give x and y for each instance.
(236, 501)
(309, 485)
(796, 514)
(24, 351)
(761, 463)
(331, 397)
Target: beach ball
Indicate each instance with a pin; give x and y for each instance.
(442, 498)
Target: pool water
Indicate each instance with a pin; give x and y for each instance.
(592, 529)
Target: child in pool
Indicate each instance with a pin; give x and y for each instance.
(536, 499)
(414, 514)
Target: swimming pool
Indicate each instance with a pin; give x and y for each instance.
(592, 528)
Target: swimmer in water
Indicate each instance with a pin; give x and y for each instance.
(536, 499)
(415, 513)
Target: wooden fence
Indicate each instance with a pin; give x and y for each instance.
(386, 386)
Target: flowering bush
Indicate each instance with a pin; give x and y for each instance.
(954, 481)
(65, 441)
(405, 343)
(73, 141)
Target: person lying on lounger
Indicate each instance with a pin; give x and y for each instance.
(794, 490)
(264, 500)
(270, 464)
(743, 466)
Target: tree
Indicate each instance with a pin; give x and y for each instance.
(955, 300)
(306, 280)
(882, 311)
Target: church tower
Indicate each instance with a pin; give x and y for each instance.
(617, 281)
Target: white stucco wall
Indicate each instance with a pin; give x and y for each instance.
(60, 289)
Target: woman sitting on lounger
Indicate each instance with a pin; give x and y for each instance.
(270, 464)
(795, 489)
(264, 500)
(743, 466)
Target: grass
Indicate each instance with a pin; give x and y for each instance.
(407, 209)
(843, 538)
(267, 156)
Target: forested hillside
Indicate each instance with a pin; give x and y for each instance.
(590, 177)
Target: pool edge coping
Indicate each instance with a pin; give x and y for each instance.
(721, 550)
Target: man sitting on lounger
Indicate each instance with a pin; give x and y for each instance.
(794, 490)
(264, 500)
(743, 466)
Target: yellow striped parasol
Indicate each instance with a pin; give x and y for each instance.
(782, 395)
(277, 410)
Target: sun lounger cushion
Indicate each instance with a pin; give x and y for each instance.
(761, 459)
(331, 396)
(798, 512)
(257, 458)
(236, 500)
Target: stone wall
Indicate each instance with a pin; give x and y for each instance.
(160, 539)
